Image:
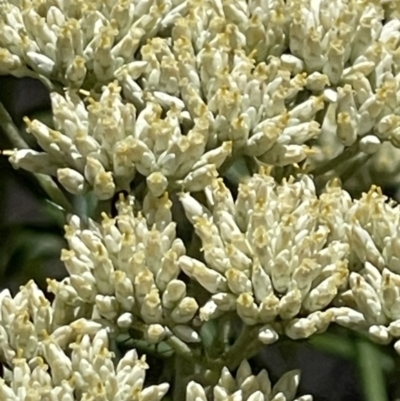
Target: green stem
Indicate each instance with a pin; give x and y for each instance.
(353, 167)
(238, 351)
(370, 371)
(9, 128)
(46, 182)
(346, 155)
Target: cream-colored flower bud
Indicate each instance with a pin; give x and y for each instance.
(185, 310)
(247, 309)
(144, 283)
(226, 302)
(210, 311)
(370, 144)
(83, 326)
(317, 82)
(195, 392)
(300, 328)
(151, 309)
(379, 334)
(211, 280)
(394, 328)
(364, 246)
(175, 291)
(302, 132)
(269, 308)
(346, 128)
(33, 161)
(390, 294)
(60, 364)
(290, 303)
(62, 336)
(11, 64)
(186, 334)
(367, 299)
(40, 63)
(215, 157)
(85, 286)
(350, 318)
(284, 155)
(125, 320)
(322, 295)
(107, 306)
(76, 72)
(154, 333)
(199, 179)
(262, 286)
(261, 142)
(192, 207)
(238, 281)
(92, 169)
(72, 181)
(104, 186)
(157, 183)
(267, 334)
(123, 290)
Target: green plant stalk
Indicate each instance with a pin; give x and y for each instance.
(370, 371)
(234, 356)
(346, 155)
(47, 183)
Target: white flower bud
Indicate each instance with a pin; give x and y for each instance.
(107, 306)
(199, 179)
(195, 392)
(247, 309)
(186, 334)
(370, 144)
(367, 299)
(379, 334)
(125, 320)
(290, 303)
(83, 326)
(268, 335)
(185, 310)
(30, 160)
(40, 63)
(226, 302)
(76, 71)
(214, 157)
(104, 186)
(211, 280)
(350, 318)
(151, 310)
(175, 291)
(60, 364)
(123, 290)
(238, 282)
(72, 181)
(157, 183)
(154, 333)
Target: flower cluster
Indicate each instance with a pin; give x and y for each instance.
(101, 147)
(85, 372)
(372, 300)
(267, 256)
(248, 387)
(127, 269)
(78, 43)
(160, 99)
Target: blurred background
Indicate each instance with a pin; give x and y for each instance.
(336, 366)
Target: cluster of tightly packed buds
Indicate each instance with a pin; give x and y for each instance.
(222, 75)
(52, 359)
(162, 100)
